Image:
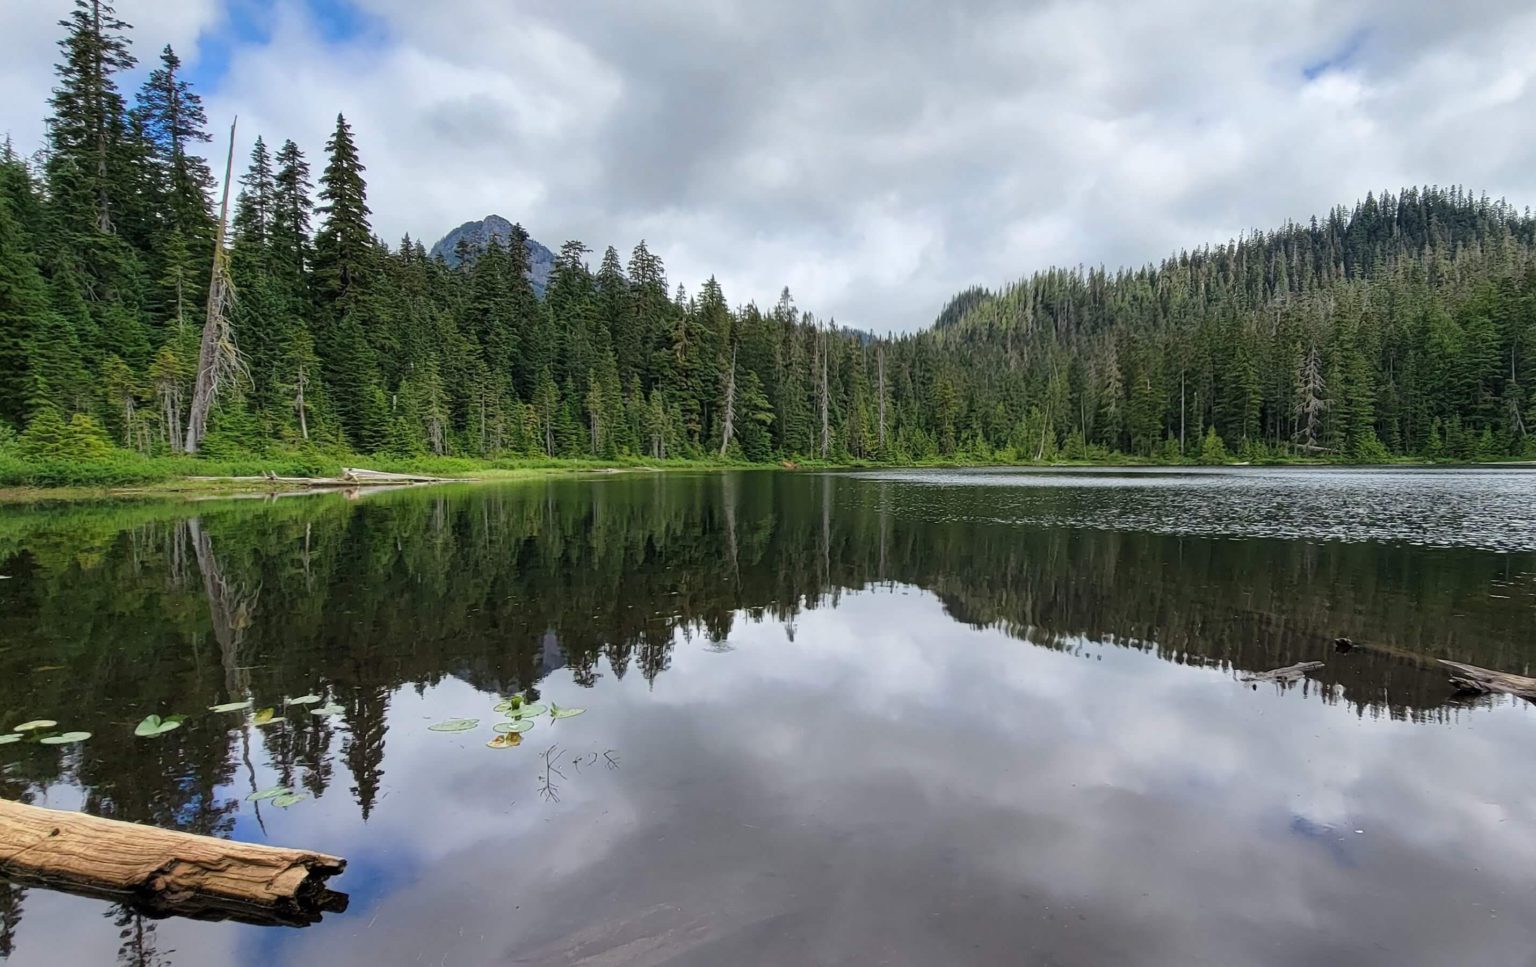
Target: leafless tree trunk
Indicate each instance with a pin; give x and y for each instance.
(128, 413)
(298, 402)
(1181, 413)
(880, 366)
(826, 436)
(170, 412)
(730, 404)
(1311, 404)
(1517, 419)
(218, 359)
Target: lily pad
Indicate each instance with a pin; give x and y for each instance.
(454, 725)
(505, 741)
(272, 793)
(67, 738)
(9, 737)
(288, 799)
(527, 711)
(326, 711)
(274, 720)
(556, 711)
(302, 700)
(231, 706)
(513, 726)
(35, 725)
(154, 725)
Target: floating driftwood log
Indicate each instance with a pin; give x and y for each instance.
(1472, 680)
(1290, 673)
(166, 873)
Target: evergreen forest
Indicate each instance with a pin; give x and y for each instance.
(134, 328)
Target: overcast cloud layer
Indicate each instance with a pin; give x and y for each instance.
(875, 158)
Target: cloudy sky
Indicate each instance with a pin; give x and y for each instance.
(873, 157)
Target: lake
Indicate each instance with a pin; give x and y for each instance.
(910, 718)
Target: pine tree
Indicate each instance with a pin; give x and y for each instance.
(24, 306)
(291, 210)
(254, 209)
(85, 131)
(170, 115)
(87, 172)
(344, 244)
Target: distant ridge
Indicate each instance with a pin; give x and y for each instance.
(479, 234)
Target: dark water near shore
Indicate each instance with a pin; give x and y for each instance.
(907, 718)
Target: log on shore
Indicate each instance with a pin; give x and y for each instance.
(1290, 673)
(352, 477)
(164, 873)
(359, 475)
(1472, 680)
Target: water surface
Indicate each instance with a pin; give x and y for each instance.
(909, 718)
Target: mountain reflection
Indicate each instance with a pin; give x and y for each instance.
(114, 611)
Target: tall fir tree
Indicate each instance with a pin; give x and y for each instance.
(344, 243)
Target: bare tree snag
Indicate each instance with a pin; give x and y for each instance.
(826, 438)
(218, 360)
(166, 873)
(880, 362)
(730, 406)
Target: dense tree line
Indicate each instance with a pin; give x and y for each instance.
(1406, 325)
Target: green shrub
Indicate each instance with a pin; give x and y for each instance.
(1213, 451)
(49, 438)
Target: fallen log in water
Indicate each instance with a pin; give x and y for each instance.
(166, 873)
(1472, 680)
(1290, 673)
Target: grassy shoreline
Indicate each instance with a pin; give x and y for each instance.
(35, 481)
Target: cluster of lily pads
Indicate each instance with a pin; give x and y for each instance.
(42, 730)
(155, 725)
(520, 715)
(269, 716)
(282, 796)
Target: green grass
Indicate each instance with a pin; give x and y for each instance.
(130, 470)
(30, 479)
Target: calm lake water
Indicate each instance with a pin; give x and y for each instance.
(908, 718)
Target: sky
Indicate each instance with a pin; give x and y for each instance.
(875, 158)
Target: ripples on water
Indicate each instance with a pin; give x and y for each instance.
(1490, 509)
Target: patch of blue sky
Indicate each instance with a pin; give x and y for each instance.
(1341, 58)
(250, 23)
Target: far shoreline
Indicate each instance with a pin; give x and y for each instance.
(469, 471)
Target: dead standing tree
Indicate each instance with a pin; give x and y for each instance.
(218, 359)
(1311, 400)
(730, 405)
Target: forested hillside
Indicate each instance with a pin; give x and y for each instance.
(1406, 325)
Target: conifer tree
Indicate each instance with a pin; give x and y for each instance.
(344, 244)
(85, 131)
(172, 121)
(26, 313)
(291, 213)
